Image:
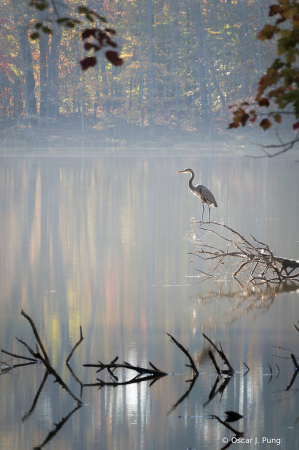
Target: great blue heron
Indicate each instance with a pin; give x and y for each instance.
(202, 192)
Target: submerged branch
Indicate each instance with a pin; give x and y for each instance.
(152, 374)
(184, 350)
(44, 358)
(221, 353)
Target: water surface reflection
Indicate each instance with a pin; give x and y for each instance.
(99, 242)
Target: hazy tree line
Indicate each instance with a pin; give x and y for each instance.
(185, 62)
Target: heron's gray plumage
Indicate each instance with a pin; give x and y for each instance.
(201, 191)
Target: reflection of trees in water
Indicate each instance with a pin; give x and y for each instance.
(247, 298)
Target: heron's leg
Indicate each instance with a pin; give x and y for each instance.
(203, 208)
(209, 213)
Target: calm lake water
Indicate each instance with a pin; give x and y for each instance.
(103, 242)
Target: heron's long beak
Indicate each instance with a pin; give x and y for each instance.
(180, 171)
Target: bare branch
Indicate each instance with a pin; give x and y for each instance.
(76, 345)
(141, 370)
(253, 258)
(46, 357)
(221, 354)
(184, 350)
(283, 146)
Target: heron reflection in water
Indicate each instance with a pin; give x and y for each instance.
(202, 192)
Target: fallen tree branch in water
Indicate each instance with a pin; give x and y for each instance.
(237, 433)
(252, 258)
(221, 353)
(75, 346)
(184, 350)
(155, 372)
(44, 358)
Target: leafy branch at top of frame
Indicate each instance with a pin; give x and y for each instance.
(280, 84)
(94, 39)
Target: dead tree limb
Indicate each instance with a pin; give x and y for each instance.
(184, 350)
(44, 358)
(294, 361)
(18, 356)
(75, 346)
(221, 353)
(152, 373)
(214, 391)
(141, 370)
(252, 258)
(134, 380)
(39, 341)
(58, 426)
(236, 432)
(181, 399)
(214, 362)
(36, 397)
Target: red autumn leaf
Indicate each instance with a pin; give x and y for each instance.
(113, 58)
(265, 124)
(296, 126)
(277, 118)
(274, 9)
(252, 119)
(90, 61)
(88, 32)
(263, 102)
(244, 119)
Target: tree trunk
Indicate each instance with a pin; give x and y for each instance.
(201, 65)
(244, 44)
(175, 12)
(53, 85)
(43, 53)
(105, 86)
(29, 85)
(150, 70)
(141, 73)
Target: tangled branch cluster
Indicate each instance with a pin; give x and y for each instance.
(253, 258)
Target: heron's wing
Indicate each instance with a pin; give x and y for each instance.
(206, 194)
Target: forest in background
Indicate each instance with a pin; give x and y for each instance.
(185, 62)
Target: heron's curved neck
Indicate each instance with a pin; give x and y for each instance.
(191, 181)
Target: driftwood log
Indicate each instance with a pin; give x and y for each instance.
(250, 257)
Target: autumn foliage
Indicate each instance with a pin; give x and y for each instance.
(279, 87)
(100, 37)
